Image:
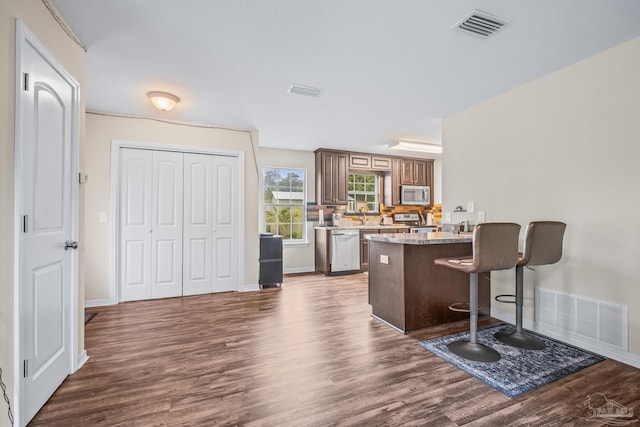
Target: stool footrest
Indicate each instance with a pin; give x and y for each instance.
(461, 307)
(501, 298)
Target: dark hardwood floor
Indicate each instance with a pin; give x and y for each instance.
(308, 354)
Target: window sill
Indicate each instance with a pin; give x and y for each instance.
(292, 244)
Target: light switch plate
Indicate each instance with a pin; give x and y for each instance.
(471, 207)
(447, 217)
(102, 217)
(384, 259)
(482, 216)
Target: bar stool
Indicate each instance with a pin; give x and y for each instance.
(542, 246)
(495, 247)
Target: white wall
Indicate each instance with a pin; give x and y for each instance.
(297, 258)
(101, 129)
(564, 147)
(40, 22)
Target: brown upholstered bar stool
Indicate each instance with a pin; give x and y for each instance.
(542, 246)
(495, 247)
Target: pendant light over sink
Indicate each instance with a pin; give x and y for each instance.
(163, 101)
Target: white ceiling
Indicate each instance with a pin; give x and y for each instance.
(389, 69)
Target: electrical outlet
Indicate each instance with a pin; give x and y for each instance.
(482, 216)
(384, 259)
(447, 217)
(471, 207)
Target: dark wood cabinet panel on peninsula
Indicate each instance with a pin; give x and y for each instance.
(409, 292)
(331, 177)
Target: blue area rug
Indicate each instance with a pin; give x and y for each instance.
(518, 371)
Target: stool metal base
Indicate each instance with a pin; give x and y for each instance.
(474, 351)
(520, 340)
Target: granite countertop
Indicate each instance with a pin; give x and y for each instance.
(438, 238)
(358, 227)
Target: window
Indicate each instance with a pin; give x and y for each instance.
(363, 193)
(284, 203)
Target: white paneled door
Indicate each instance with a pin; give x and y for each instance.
(179, 223)
(166, 225)
(198, 226)
(226, 219)
(47, 257)
(136, 170)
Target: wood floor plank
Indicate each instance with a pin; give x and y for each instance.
(306, 354)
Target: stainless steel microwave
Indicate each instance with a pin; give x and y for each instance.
(418, 195)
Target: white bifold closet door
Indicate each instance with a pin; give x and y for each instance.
(179, 223)
(211, 223)
(151, 184)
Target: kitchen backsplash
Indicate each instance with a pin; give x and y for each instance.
(314, 211)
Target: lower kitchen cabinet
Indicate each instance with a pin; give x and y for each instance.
(364, 248)
(364, 243)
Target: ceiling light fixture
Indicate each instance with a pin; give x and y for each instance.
(423, 147)
(163, 101)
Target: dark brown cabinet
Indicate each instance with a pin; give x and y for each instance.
(333, 166)
(380, 163)
(413, 172)
(359, 161)
(364, 248)
(331, 177)
(406, 172)
(364, 243)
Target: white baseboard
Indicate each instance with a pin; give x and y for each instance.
(97, 303)
(572, 338)
(82, 359)
(250, 288)
(299, 270)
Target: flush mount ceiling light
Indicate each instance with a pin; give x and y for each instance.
(305, 90)
(423, 147)
(163, 101)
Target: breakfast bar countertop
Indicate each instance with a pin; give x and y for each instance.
(437, 238)
(359, 227)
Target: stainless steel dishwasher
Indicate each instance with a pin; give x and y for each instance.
(345, 250)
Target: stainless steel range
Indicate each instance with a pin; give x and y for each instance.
(415, 222)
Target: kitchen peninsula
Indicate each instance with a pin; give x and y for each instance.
(407, 291)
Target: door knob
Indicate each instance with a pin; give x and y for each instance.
(70, 244)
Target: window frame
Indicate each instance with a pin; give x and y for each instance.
(303, 206)
(376, 192)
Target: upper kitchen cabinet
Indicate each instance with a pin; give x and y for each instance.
(414, 172)
(369, 162)
(407, 171)
(331, 177)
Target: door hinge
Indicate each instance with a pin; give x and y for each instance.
(26, 81)
(25, 224)
(26, 368)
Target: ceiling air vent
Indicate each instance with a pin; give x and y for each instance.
(305, 90)
(481, 24)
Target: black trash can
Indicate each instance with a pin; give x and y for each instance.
(270, 260)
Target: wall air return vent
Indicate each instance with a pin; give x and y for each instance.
(305, 90)
(481, 24)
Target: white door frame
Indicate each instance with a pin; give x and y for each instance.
(114, 206)
(23, 37)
